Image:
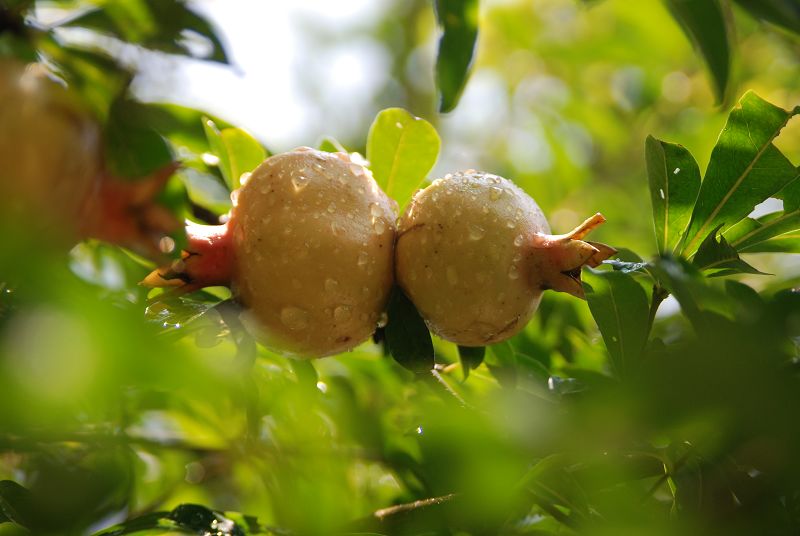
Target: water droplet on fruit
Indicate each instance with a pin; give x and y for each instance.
(363, 258)
(342, 313)
(513, 273)
(294, 318)
(332, 207)
(485, 209)
(511, 224)
(356, 170)
(518, 240)
(428, 272)
(166, 244)
(383, 319)
(452, 275)
(379, 225)
(299, 183)
(335, 228)
(375, 210)
(495, 193)
(235, 197)
(331, 285)
(244, 177)
(476, 232)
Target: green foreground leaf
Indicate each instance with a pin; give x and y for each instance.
(238, 152)
(407, 336)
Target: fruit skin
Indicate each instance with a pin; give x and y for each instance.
(53, 175)
(474, 254)
(308, 250)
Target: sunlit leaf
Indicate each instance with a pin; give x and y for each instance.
(760, 234)
(706, 25)
(407, 336)
(784, 13)
(745, 169)
(674, 183)
(718, 255)
(238, 152)
(331, 145)
(619, 305)
(458, 20)
(401, 149)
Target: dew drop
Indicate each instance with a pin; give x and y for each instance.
(511, 224)
(513, 273)
(299, 183)
(428, 272)
(495, 193)
(342, 313)
(677, 170)
(485, 209)
(476, 232)
(383, 319)
(363, 258)
(661, 193)
(332, 207)
(356, 170)
(375, 210)
(244, 177)
(294, 318)
(518, 240)
(399, 124)
(331, 285)
(235, 197)
(166, 244)
(379, 225)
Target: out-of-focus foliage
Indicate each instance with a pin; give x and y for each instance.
(127, 411)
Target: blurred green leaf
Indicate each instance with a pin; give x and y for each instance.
(674, 183)
(502, 362)
(783, 13)
(745, 168)
(238, 152)
(184, 127)
(165, 25)
(706, 25)
(458, 20)
(133, 148)
(407, 336)
(619, 306)
(754, 235)
(401, 149)
(331, 145)
(721, 257)
(470, 357)
(16, 503)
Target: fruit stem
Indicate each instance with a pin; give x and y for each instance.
(207, 261)
(557, 260)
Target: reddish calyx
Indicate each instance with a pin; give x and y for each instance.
(557, 260)
(126, 213)
(207, 261)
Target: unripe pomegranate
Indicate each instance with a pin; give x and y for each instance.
(52, 172)
(474, 254)
(308, 250)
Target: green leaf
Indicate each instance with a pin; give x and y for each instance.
(133, 148)
(718, 255)
(783, 13)
(401, 149)
(330, 144)
(459, 22)
(471, 357)
(706, 25)
(238, 152)
(745, 169)
(755, 235)
(619, 305)
(674, 183)
(502, 362)
(184, 127)
(165, 25)
(407, 336)
(16, 503)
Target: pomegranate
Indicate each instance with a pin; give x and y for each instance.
(52, 166)
(307, 250)
(474, 254)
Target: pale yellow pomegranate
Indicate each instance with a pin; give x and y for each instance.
(52, 172)
(308, 250)
(474, 254)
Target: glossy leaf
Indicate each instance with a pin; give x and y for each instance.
(401, 149)
(706, 25)
(619, 305)
(784, 13)
(470, 357)
(16, 503)
(238, 152)
(674, 183)
(458, 20)
(762, 234)
(745, 169)
(407, 336)
(717, 254)
(133, 148)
